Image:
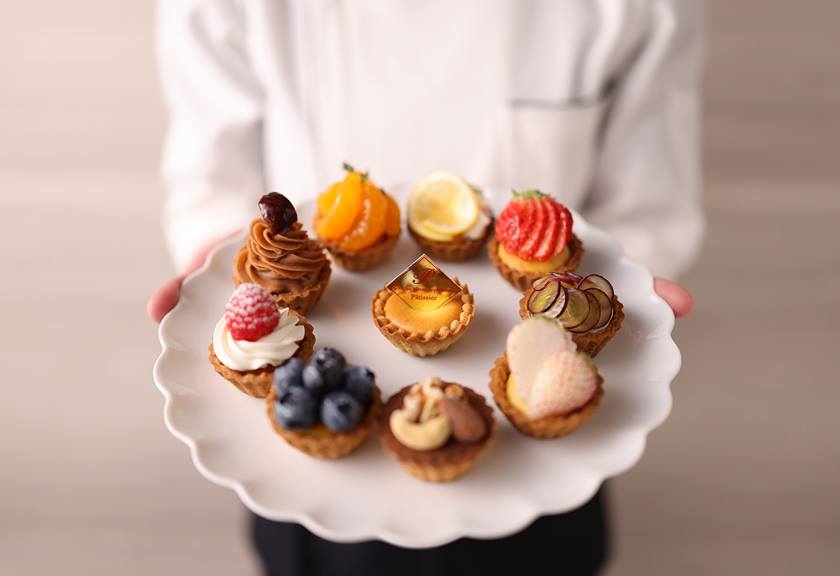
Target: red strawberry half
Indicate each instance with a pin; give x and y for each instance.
(251, 313)
(536, 233)
(514, 224)
(552, 230)
(565, 228)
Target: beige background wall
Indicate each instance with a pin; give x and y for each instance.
(743, 476)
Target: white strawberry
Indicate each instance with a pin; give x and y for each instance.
(529, 344)
(565, 381)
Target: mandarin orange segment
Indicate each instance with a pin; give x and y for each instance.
(338, 219)
(327, 197)
(392, 217)
(370, 225)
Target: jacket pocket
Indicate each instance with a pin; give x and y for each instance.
(549, 146)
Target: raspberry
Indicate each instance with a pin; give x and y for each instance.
(251, 313)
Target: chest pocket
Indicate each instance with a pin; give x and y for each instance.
(552, 147)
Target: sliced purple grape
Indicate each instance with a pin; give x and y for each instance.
(599, 282)
(541, 282)
(577, 308)
(605, 306)
(559, 304)
(568, 278)
(541, 300)
(591, 318)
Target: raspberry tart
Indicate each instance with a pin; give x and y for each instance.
(533, 237)
(324, 408)
(279, 256)
(448, 218)
(586, 306)
(254, 337)
(357, 221)
(543, 385)
(436, 430)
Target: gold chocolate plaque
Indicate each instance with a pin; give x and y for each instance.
(424, 286)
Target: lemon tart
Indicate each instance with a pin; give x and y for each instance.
(449, 219)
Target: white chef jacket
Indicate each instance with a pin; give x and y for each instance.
(592, 101)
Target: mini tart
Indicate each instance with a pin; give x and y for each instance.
(403, 326)
(301, 300)
(589, 343)
(450, 460)
(257, 383)
(456, 250)
(319, 441)
(522, 280)
(364, 259)
(548, 426)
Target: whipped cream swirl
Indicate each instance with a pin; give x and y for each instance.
(271, 350)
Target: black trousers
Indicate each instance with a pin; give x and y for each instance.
(570, 544)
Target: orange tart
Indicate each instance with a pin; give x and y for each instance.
(357, 221)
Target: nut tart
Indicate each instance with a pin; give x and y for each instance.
(436, 430)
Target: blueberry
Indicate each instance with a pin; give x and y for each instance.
(288, 374)
(330, 363)
(341, 412)
(296, 408)
(313, 381)
(360, 383)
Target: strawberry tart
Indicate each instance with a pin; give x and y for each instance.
(533, 237)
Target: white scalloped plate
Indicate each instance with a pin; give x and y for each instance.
(368, 495)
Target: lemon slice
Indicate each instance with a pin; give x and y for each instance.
(441, 206)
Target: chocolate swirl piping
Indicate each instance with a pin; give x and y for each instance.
(279, 262)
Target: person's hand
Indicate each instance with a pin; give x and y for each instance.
(675, 295)
(166, 296)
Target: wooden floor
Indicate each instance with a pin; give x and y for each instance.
(742, 478)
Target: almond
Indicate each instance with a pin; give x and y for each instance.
(467, 424)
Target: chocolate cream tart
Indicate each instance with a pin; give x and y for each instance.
(279, 256)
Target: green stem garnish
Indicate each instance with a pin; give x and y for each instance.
(527, 194)
(349, 168)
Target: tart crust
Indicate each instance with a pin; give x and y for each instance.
(428, 343)
(548, 426)
(364, 259)
(589, 342)
(319, 441)
(447, 462)
(522, 280)
(459, 249)
(302, 300)
(257, 383)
